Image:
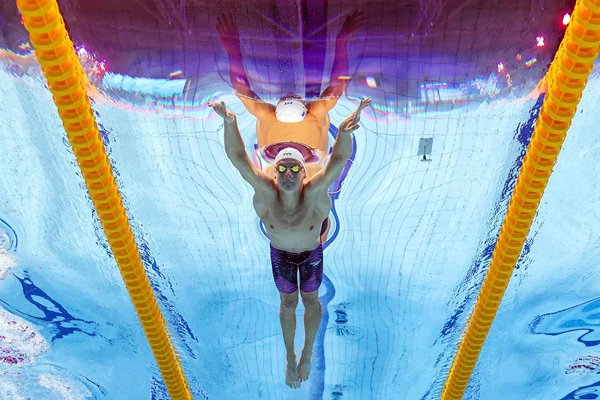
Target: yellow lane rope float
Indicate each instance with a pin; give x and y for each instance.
(67, 82)
(566, 80)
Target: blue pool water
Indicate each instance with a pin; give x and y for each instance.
(413, 241)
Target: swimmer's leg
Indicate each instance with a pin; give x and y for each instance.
(311, 276)
(312, 319)
(287, 316)
(285, 275)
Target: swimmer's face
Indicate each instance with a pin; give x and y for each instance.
(286, 178)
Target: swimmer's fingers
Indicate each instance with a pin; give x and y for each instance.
(351, 117)
(230, 21)
(364, 103)
(222, 110)
(226, 21)
(221, 27)
(349, 127)
(215, 104)
(226, 25)
(357, 19)
(355, 116)
(350, 123)
(219, 107)
(357, 14)
(225, 18)
(352, 23)
(221, 23)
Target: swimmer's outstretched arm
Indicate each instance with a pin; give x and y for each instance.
(234, 144)
(339, 71)
(236, 151)
(342, 149)
(230, 39)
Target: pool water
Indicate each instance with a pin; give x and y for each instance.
(408, 250)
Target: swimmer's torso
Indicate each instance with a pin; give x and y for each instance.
(299, 230)
(293, 231)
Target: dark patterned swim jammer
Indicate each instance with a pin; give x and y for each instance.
(286, 266)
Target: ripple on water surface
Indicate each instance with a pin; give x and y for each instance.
(8, 243)
(8, 237)
(582, 320)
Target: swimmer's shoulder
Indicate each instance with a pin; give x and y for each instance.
(258, 107)
(324, 103)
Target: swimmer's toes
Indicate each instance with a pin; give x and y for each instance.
(304, 369)
(291, 376)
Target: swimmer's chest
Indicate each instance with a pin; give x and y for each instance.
(298, 230)
(303, 221)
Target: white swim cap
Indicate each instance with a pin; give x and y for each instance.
(290, 110)
(290, 152)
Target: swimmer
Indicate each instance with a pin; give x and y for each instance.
(293, 209)
(293, 122)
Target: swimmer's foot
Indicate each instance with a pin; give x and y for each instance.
(304, 366)
(291, 373)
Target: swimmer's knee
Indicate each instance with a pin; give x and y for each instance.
(310, 298)
(289, 300)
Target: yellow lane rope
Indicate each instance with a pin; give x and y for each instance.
(566, 80)
(67, 82)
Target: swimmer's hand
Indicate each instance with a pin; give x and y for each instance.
(219, 107)
(352, 23)
(350, 124)
(228, 32)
